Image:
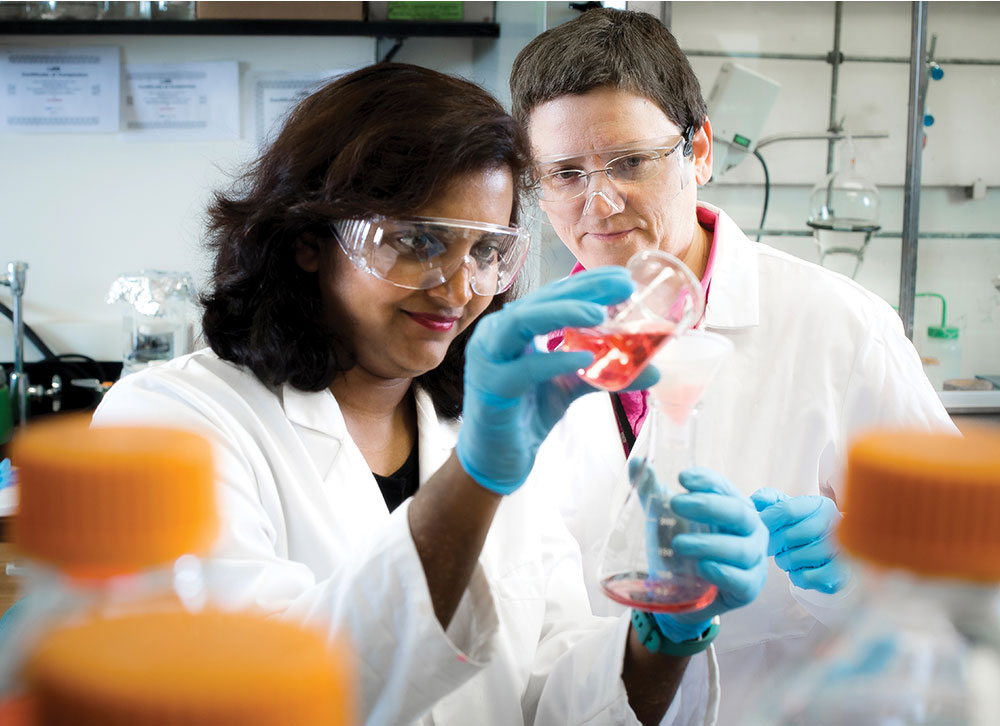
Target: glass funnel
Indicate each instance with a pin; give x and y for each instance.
(843, 214)
(637, 565)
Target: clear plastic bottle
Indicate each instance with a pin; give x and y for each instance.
(190, 669)
(110, 521)
(922, 643)
(942, 358)
(941, 352)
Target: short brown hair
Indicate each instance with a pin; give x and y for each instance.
(628, 50)
(381, 141)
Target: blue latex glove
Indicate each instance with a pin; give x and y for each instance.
(802, 538)
(515, 394)
(733, 557)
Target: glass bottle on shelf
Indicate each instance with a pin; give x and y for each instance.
(10, 10)
(163, 10)
(124, 10)
(60, 10)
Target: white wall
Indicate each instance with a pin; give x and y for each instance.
(961, 145)
(83, 209)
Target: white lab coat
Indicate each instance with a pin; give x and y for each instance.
(306, 535)
(817, 359)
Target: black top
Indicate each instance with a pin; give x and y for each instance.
(402, 483)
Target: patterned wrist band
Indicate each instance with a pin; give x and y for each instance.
(655, 641)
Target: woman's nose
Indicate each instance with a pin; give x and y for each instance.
(457, 289)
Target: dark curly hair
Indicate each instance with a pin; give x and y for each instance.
(383, 140)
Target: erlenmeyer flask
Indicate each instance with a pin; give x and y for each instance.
(668, 300)
(638, 566)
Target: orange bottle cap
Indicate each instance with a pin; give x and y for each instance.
(96, 502)
(926, 502)
(161, 669)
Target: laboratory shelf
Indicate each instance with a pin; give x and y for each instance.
(373, 28)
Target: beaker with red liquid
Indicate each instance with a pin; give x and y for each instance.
(668, 300)
(637, 565)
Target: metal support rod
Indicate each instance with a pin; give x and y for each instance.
(15, 279)
(835, 60)
(796, 136)
(825, 58)
(881, 235)
(914, 148)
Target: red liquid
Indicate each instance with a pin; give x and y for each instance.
(679, 594)
(619, 355)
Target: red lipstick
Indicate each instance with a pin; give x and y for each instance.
(438, 323)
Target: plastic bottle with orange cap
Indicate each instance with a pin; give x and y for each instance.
(187, 669)
(922, 643)
(109, 521)
(116, 624)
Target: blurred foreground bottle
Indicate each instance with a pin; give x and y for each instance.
(109, 522)
(178, 668)
(922, 644)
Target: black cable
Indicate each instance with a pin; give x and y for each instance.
(391, 53)
(81, 370)
(30, 334)
(767, 193)
(48, 356)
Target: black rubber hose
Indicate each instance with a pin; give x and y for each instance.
(767, 192)
(50, 356)
(30, 334)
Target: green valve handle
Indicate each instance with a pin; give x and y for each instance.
(942, 330)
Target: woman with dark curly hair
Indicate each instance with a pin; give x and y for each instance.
(351, 263)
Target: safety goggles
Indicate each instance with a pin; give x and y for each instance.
(561, 178)
(423, 252)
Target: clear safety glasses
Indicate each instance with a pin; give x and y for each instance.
(423, 252)
(561, 178)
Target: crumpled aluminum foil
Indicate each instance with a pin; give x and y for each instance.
(150, 290)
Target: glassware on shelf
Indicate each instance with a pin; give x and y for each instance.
(843, 214)
(10, 10)
(61, 10)
(667, 301)
(124, 10)
(637, 565)
(163, 10)
(158, 323)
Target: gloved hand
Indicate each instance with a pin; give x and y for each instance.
(733, 556)
(515, 394)
(802, 538)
